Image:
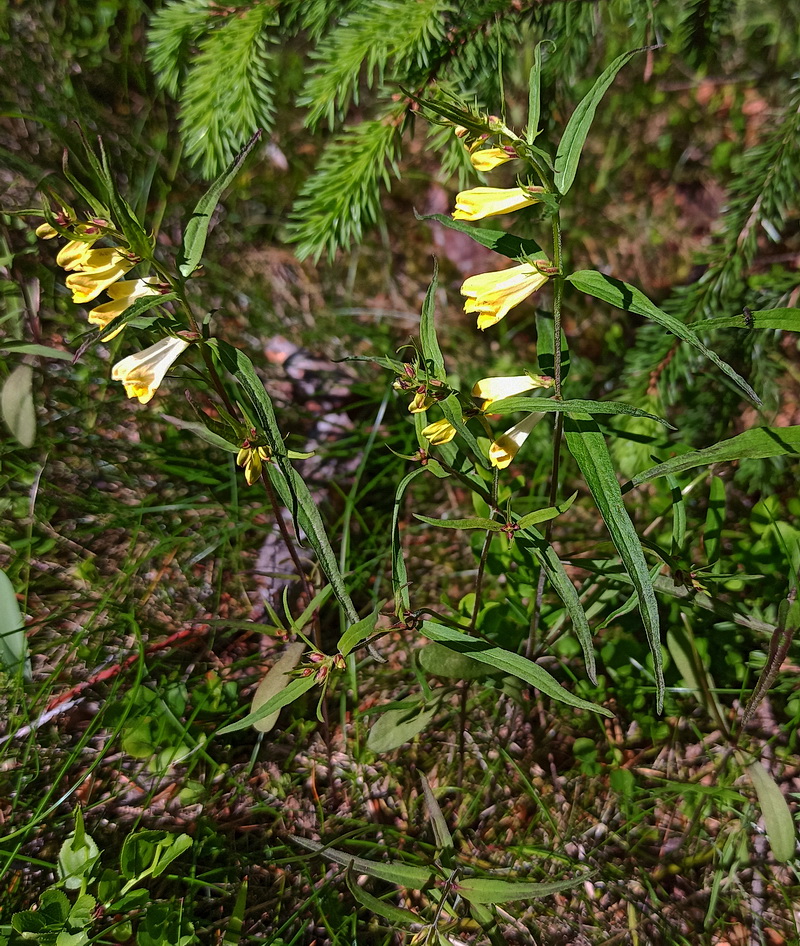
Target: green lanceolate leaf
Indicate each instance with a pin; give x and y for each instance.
(488, 890)
(431, 353)
(508, 405)
(630, 299)
(194, 238)
(200, 430)
(440, 661)
(531, 541)
(534, 96)
(293, 691)
(477, 522)
(395, 915)
(29, 348)
(357, 633)
(394, 872)
(16, 403)
(546, 514)
(787, 320)
(574, 137)
(753, 444)
(587, 444)
(399, 725)
(135, 309)
(715, 518)
(507, 662)
(506, 244)
(778, 820)
(402, 602)
(451, 408)
(277, 678)
(13, 643)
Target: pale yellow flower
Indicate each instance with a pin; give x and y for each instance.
(45, 232)
(123, 294)
(142, 372)
(97, 270)
(491, 295)
(439, 432)
(250, 458)
(491, 201)
(495, 389)
(505, 448)
(486, 159)
(421, 402)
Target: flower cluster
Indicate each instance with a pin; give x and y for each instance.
(92, 270)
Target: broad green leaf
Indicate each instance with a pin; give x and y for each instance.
(533, 542)
(753, 444)
(77, 859)
(41, 351)
(16, 403)
(507, 662)
(357, 633)
(787, 320)
(394, 872)
(488, 890)
(574, 137)
(283, 698)
(506, 244)
(396, 727)
(168, 852)
(431, 353)
(277, 678)
(402, 602)
(509, 405)
(476, 522)
(196, 233)
(778, 820)
(395, 915)
(441, 661)
(441, 833)
(588, 446)
(630, 299)
(13, 642)
(200, 430)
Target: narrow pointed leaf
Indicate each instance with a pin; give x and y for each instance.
(787, 320)
(16, 403)
(630, 299)
(506, 244)
(293, 691)
(488, 890)
(753, 444)
(546, 514)
(395, 915)
(356, 633)
(441, 833)
(431, 353)
(200, 430)
(402, 602)
(508, 662)
(778, 820)
(588, 446)
(534, 96)
(574, 137)
(194, 238)
(395, 872)
(476, 522)
(509, 405)
(277, 678)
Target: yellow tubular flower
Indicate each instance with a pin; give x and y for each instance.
(250, 458)
(505, 448)
(422, 401)
(491, 201)
(495, 389)
(96, 271)
(489, 158)
(45, 232)
(442, 431)
(491, 295)
(123, 294)
(143, 372)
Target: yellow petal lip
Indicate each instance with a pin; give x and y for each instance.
(422, 401)
(142, 372)
(492, 295)
(98, 269)
(439, 432)
(505, 448)
(45, 232)
(495, 389)
(480, 202)
(123, 294)
(487, 159)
